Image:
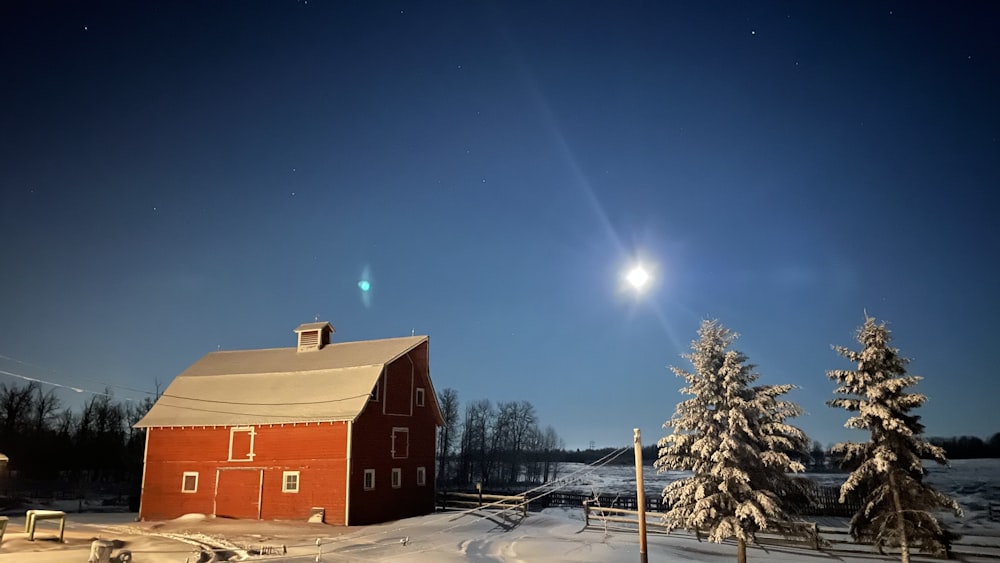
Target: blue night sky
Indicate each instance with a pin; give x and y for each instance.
(176, 177)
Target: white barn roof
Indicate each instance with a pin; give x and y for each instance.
(278, 385)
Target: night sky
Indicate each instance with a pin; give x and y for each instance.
(180, 177)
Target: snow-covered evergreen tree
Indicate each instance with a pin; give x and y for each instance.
(735, 439)
(896, 505)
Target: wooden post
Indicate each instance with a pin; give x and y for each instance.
(640, 495)
(479, 487)
(586, 513)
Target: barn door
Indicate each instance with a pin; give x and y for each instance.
(237, 493)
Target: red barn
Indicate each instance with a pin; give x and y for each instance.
(278, 433)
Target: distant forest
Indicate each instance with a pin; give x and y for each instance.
(491, 443)
(819, 459)
(494, 444)
(502, 444)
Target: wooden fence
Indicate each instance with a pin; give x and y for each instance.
(465, 501)
(831, 539)
(594, 515)
(825, 501)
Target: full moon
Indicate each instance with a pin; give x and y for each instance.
(637, 277)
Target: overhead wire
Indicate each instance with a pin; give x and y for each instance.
(169, 395)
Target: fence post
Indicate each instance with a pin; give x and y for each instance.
(640, 495)
(586, 514)
(815, 536)
(479, 487)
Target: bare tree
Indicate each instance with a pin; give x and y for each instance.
(551, 444)
(448, 401)
(44, 410)
(476, 436)
(16, 406)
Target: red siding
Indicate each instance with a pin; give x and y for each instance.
(317, 452)
(372, 445)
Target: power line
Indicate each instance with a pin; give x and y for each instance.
(71, 388)
(170, 395)
(192, 408)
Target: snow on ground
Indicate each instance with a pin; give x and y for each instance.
(974, 483)
(556, 534)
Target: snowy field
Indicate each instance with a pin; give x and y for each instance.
(974, 483)
(556, 534)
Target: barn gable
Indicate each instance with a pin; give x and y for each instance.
(279, 385)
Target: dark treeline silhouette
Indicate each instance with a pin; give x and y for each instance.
(818, 459)
(68, 450)
(496, 445)
(969, 447)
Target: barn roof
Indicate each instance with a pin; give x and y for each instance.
(278, 385)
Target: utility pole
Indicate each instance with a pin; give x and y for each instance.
(640, 496)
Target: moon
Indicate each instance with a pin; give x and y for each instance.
(638, 277)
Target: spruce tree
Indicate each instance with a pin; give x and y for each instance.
(896, 504)
(735, 439)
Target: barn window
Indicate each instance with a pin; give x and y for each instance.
(374, 396)
(397, 477)
(400, 443)
(420, 396)
(189, 482)
(290, 482)
(369, 479)
(421, 476)
(241, 443)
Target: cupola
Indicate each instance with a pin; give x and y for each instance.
(313, 336)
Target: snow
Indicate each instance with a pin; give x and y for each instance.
(556, 534)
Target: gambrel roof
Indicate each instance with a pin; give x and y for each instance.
(279, 385)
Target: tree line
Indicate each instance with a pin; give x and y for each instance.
(494, 444)
(48, 442)
(969, 447)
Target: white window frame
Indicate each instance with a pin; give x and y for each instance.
(369, 480)
(184, 478)
(397, 477)
(232, 433)
(400, 430)
(420, 396)
(284, 482)
(421, 476)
